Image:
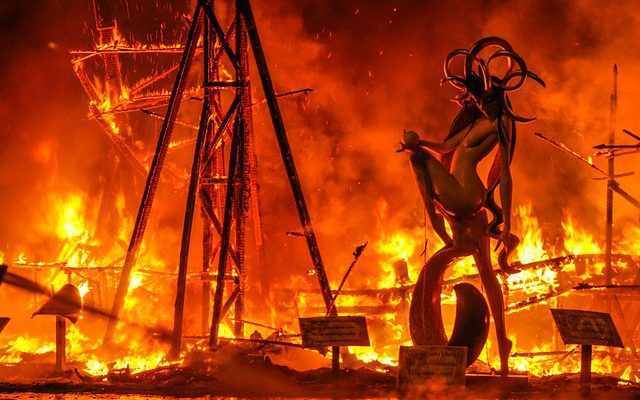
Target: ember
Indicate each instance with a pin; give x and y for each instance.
(203, 174)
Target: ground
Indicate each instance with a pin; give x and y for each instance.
(241, 371)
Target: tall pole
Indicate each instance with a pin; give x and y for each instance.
(176, 342)
(236, 143)
(154, 174)
(242, 177)
(611, 173)
(287, 158)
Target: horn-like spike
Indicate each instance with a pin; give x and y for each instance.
(479, 46)
(536, 78)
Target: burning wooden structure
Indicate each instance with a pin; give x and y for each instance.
(212, 82)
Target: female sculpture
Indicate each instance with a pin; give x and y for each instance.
(452, 190)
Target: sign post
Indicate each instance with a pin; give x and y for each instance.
(334, 332)
(586, 328)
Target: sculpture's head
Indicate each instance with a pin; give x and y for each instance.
(479, 86)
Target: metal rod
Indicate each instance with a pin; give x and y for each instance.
(571, 152)
(617, 146)
(612, 185)
(633, 135)
(610, 173)
(287, 158)
(356, 256)
(154, 174)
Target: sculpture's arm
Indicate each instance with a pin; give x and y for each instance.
(447, 146)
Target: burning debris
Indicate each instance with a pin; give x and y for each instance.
(119, 253)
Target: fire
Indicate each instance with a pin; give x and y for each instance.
(536, 287)
(577, 241)
(400, 245)
(386, 271)
(531, 247)
(15, 349)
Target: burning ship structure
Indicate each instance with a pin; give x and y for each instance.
(146, 320)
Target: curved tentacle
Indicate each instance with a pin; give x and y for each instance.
(505, 106)
(471, 326)
(456, 80)
(479, 46)
(503, 82)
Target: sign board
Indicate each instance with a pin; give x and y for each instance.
(334, 331)
(420, 364)
(586, 327)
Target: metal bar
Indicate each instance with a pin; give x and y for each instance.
(176, 343)
(611, 174)
(225, 245)
(633, 135)
(571, 153)
(616, 146)
(615, 186)
(154, 174)
(287, 158)
(356, 256)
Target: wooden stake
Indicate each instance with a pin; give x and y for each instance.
(585, 369)
(61, 344)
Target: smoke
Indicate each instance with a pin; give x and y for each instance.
(376, 70)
